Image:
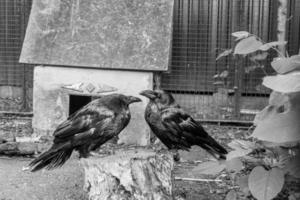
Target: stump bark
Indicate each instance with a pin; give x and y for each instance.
(138, 174)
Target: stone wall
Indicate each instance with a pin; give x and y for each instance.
(16, 136)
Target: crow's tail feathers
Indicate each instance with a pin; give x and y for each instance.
(55, 157)
(213, 147)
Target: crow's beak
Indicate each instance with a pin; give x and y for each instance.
(133, 99)
(148, 93)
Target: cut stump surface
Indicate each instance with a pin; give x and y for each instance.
(138, 174)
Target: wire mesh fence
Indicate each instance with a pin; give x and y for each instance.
(221, 89)
(228, 88)
(15, 78)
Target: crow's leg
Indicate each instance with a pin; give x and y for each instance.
(83, 151)
(176, 154)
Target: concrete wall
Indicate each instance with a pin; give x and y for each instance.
(53, 85)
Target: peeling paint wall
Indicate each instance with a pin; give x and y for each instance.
(53, 86)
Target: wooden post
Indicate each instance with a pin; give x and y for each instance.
(138, 174)
(157, 80)
(281, 28)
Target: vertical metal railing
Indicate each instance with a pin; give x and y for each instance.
(15, 78)
(202, 29)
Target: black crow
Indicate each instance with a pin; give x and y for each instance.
(86, 130)
(174, 127)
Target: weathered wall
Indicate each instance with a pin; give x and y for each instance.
(95, 35)
(121, 34)
(53, 85)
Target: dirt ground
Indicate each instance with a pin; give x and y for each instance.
(66, 183)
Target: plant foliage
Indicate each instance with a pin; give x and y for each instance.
(247, 45)
(265, 184)
(273, 148)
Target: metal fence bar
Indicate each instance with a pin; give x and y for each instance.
(202, 29)
(15, 78)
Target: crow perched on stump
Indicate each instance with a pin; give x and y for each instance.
(174, 127)
(86, 130)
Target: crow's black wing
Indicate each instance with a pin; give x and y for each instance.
(187, 129)
(169, 136)
(180, 123)
(110, 128)
(86, 118)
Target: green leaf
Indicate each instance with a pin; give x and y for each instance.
(287, 83)
(247, 45)
(234, 165)
(265, 185)
(269, 45)
(293, 166)
(210, 168)
(285, 65)
(278, 99)
(265, 113)
(280, 123)
(259, 56)
(219, 83)
(224, 74)
(216, 76)
(224, 53)
(240, 34)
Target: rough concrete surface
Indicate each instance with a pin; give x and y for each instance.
(51, 99)
(120, 34)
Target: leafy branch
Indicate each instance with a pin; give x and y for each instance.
(272, 152)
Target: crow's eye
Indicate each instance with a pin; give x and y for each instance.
(158, 95)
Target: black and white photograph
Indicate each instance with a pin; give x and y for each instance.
(149, 99)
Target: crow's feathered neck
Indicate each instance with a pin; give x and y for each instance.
(164, 105)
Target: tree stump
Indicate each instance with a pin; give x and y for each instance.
(138, 174)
